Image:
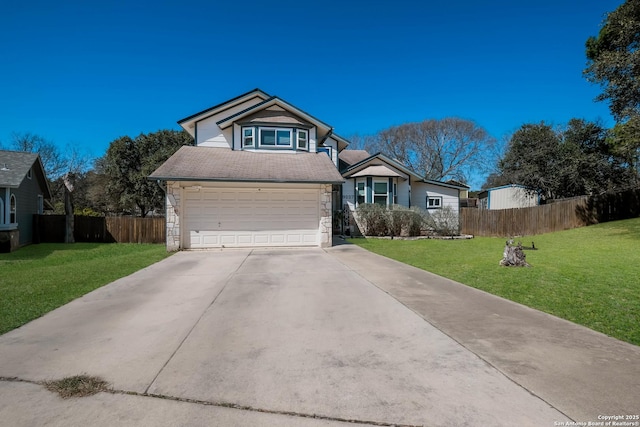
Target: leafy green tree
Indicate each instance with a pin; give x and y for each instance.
(596, 167)
(625, 141)
(129, 161)
(614, 60)
(534, 159)
(575, 160)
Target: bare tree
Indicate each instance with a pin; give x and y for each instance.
(438, 149)
(52, 160)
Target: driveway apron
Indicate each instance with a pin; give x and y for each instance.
(292, 333)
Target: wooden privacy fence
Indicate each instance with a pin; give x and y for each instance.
(116, 229)
(557, 216)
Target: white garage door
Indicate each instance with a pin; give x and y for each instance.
(241, 217)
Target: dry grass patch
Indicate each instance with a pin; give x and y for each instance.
(77, 386)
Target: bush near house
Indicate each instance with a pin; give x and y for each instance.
(378, 220)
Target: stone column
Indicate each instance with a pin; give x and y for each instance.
(326, 216)
(173, 216)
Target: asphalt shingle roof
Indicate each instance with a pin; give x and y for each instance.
(191, 163)
(14, 166)
(352, 157)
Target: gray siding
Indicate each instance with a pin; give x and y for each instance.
(26, 207)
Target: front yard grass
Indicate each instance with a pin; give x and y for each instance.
(39, 278)
(589, 275)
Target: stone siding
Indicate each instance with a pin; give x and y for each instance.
(173, 216)
(326, 216)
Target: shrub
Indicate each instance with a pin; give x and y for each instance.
(444, 222)
(377, 220)
(373, 219)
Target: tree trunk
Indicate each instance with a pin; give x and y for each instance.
(513, 256)
(68, 208)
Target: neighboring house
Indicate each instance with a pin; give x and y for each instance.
(508, 197)
(23, 191)
(379, 179)
(262, 173)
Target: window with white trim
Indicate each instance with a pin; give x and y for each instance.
(303, 139)
(381, 193)
(248, 139)
(275, 137)
(360, 194)
(12, 210)
(434, 202)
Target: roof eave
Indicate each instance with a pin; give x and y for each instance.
(443, 184)
(273, 181)
(274, 100)
(386, 159)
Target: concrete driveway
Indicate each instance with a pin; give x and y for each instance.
(299, 337)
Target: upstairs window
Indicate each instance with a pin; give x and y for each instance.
(271, 137)
(303, 139)
(247, 137)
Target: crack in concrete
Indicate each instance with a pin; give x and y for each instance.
(230, 405)
(427, 320)
(229, 277)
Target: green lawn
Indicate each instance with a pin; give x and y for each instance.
(589, 275)
(39, 278)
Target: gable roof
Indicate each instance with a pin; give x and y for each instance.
(14, 166)
(351, 157)
(274, 100)
(255, 93)
(383, 158)
(353, 170)
(262, 102)
(191, 163)
(378, 170)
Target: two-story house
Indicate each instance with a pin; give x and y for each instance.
(266, 173)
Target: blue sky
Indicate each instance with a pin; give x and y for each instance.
(84, 73)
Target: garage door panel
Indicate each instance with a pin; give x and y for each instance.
(248, 217)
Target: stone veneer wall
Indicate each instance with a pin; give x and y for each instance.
(326, 219)
(9, 241)
(172, 215)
